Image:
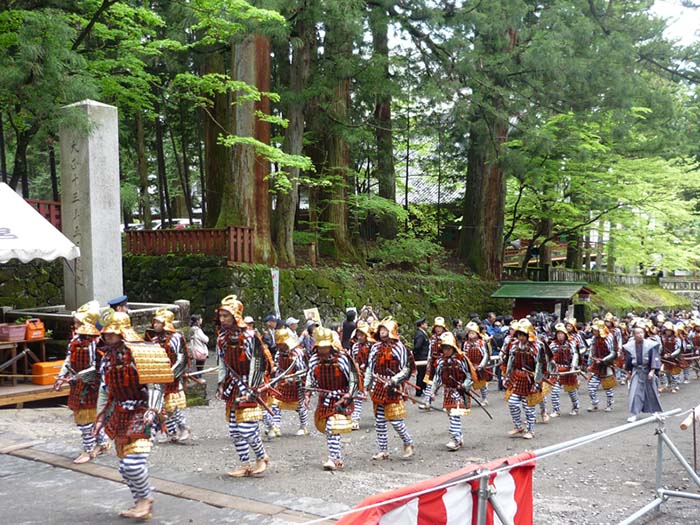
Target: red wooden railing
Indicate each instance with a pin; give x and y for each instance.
(51, 210)
(235, 242)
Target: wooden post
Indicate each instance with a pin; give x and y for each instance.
(312, 254)
(231, 244)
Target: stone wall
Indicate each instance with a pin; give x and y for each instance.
(205, 280)
(31, 284)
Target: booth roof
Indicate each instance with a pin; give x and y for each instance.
(26, 235)
(539, 290)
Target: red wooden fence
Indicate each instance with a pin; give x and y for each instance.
(50, 210)
(235, 242)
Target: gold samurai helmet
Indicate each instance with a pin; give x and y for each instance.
(119, 323)
(88, 315)
(448, 339)
(166, 317)
(232, 305)
(285, 337)
(391, 326)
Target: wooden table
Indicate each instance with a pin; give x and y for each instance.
(8, 352)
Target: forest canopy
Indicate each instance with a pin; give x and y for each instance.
(387, 130)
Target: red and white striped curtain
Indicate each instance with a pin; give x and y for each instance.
(446, 500)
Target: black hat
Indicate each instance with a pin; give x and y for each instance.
(421, 321)
(118, 301)
(269, 318)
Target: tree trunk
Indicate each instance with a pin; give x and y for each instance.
(3, 158)
(546, 249)
(337, 167)
(264, 251)
(379, 25)
(182, 202)
(338, 46)
(287, 202)
(202, 180)
(142, 168)
(186, 164)
(19, 170)
(238, 193)
(165, 211)
(574, 254)
(217, 166)
(480, 244)
(52, 171)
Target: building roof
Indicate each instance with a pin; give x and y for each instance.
(536, 290)
(423, 189)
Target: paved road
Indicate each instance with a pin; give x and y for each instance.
(34, 492)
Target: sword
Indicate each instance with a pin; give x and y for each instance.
(255, 393)
(202, 372)
(473, 398)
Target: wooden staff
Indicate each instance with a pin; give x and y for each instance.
(474, 398)
(548, 381)
(689, 420)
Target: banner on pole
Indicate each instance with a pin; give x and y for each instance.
(447, 501)
(276, 290)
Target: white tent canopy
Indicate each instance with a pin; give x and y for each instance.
(26, 235)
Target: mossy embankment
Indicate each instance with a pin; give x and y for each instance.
(623, 299)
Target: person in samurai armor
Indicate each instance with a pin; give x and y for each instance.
(614, 330)
(509, 342)
(523, 380)
(601, 366)
(439, 327)
(289, 393)
(671, 348)
(360, 354)
(333, 374)
(643, 362)
(388, 367)
(128, 408)
(694, 344)
(456, 374)
(565, 357)
(477, 351)
(546, 364)
(686, 351)
(242, 364)
(577, 339)
(164, 333)
(80, 370)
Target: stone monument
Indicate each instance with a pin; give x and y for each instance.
(90, 204)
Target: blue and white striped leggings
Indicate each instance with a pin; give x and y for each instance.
(357, 410)
(246, 436)
(455, 429)
(556, 398)
(175, 420)
(301, 412)
(515, 402)
(89, 441)
(333, 442)
(427, 392)
(381, 429)
(593, 385)
(134, 470)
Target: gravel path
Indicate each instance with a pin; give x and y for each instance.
(595, 484)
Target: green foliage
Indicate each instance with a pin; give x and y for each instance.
(408, 253)
(302, 238)
(623, 299)
(363, 206)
